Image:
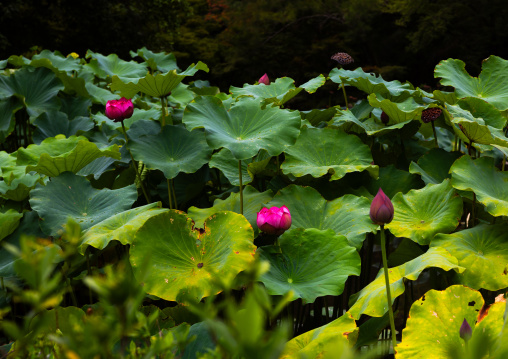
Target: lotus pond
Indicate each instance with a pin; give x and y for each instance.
(145, 213)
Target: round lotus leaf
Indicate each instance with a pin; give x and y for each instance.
(8, 108)
(186, 261)
(491, 85)
(421, 214)
(72, 196)
(245, 128)
(433, 326)
(36, 99)
(9, 221)
(253, 201)
(109, 66)
(483, 251)
(398, 112)
(479, 108)
(160, 61)
(53, 123)
(18, 188)
(59, 154)
(347, 215)
(371, 83)
(434, 166)
(159, 85)
(371, 300)
(484, 179)
(278, 92)
(172, 151)
(120, 227)
(311, 263)
(321, 151)
(312, 344)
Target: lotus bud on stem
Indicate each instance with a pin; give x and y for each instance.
(381, 213)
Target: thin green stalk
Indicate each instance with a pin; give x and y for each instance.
(504, 162)
(89, 271)
(241, 185)
(138, 175)
(435, 135)
(387, 282)
(174, 193)
(163, 110)
(169, 194)
(345, 96)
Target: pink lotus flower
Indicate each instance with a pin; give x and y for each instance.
(264, 80)
(274, 220)
(381, 209)
(119, 110)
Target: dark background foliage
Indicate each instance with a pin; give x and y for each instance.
(240, 40)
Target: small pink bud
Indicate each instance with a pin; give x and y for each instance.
(465, 331)
(274, 220)
(381, 209)
(119, 110)
(264, 80)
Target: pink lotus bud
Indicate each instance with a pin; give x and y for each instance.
(274, 220)
(119, 110)
(264, 80)
(384, 118)
(381, 209)
(465, 331)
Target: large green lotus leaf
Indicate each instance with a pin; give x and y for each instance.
(253, 201)
(479, 108)
(312, 344)
(8, 107)
(6, 160)
(75, 107)
(278, 92)
(18, 188)
(434, 166)
(421, 214)
(317, 116)
(72, 196)
(475, 129)
(245, 128)
(159, 85)
(59, 154)
(398, 112)
(109, 66)
(347, 215)
(484, 179)
(483, 251)
(224, 161)
(371, 300)
(321, 151)
(160, 61)
(64, 69)
(9, 221)
(433, 327)
(347, 121)
(52, 123)
(37, 87)
(370, 83)
(312, 85)
(312, 263)
(491, 85)
(120, 227)
(186, 261)
(393, 181)
(172, 151)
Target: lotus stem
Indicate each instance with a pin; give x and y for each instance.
(387, 282)
(174, 193)
(163, 110)
(504, 162)
(169, 194)
(89, 271)
(241, 185)
(345, 96)
(135, 166)
(435, 135)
